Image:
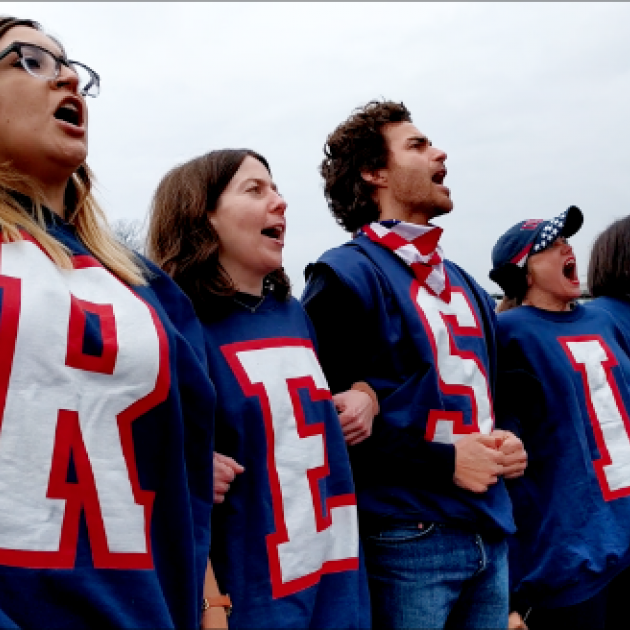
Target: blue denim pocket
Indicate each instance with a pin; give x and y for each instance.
(402, 533)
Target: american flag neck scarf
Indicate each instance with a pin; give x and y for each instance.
(417, 246)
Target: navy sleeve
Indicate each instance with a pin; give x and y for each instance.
(519, 395)
(519, 400)
(340, 334)
(343, 326)
(198, 400)
(179, 309)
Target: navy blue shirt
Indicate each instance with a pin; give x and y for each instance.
(285, 543)
(563, 387)
(432, 366)
(106, 419)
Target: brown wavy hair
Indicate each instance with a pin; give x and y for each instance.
(181, 238)
(357, 145)
(609, 264)
(83, 211)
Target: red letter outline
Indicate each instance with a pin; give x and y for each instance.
(608, 364)
(68, 438)
(453, 328)
(280, 588)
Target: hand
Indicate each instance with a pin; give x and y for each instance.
(515, 622)
(225, 470)
(478, 462)
(515, 461)
(214, 617)
(356, 415)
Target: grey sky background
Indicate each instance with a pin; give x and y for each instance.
(530, 101)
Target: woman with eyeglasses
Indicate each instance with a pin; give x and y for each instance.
(106, 411)
(564, 388)
(285, 543)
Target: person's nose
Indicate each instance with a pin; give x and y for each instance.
(440, 155)
(279, 204)
(67, 78)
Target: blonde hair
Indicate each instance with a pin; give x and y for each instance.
(83, 212)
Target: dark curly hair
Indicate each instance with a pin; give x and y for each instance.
(183, 242)
(357, 145)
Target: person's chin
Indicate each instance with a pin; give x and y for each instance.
(69, 156)
(273, 265)
(441, 209)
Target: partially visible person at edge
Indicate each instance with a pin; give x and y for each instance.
(389, 310)
(564, 372)
(608, 276)
(285, 542)
(106, 411)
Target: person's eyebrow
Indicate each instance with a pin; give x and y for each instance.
(260, 182)
(422, 139)
(60, 54)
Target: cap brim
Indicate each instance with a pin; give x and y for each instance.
(573, 222)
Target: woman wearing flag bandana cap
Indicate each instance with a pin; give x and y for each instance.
(526, 238)
(563, 388)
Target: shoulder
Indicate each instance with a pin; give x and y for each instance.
(615, 311)
(517, 321)
(347, 262)
(483, 297)
(342, 270)
(453, 269)
(614, 306)
(165, 289)
(175, 304)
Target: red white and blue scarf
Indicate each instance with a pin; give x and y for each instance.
(417, 246)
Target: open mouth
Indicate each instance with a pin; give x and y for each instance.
(69, 112)
(275, 232)
(438, 178)
(569, 271)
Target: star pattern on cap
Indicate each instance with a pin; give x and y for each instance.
(550, 232)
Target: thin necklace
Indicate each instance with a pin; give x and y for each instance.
(251, 309)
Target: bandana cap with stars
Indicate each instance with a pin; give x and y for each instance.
(527, 238)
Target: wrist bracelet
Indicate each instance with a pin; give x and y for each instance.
(219, 601)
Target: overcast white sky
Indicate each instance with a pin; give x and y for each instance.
(530, 101)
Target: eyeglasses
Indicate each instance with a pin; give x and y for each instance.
(42, 64)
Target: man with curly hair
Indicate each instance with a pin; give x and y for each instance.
(390, 311)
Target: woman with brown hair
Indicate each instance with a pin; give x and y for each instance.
(105, 405)
(608, 280)
(285, 541)
(608, 273)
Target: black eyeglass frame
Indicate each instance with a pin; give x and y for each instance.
(16, 47)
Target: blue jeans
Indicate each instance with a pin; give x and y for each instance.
(436, 576)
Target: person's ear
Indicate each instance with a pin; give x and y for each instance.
(529, 279)
(377, 178)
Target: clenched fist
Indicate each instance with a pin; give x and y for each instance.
(478, 461)
(515, 456)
